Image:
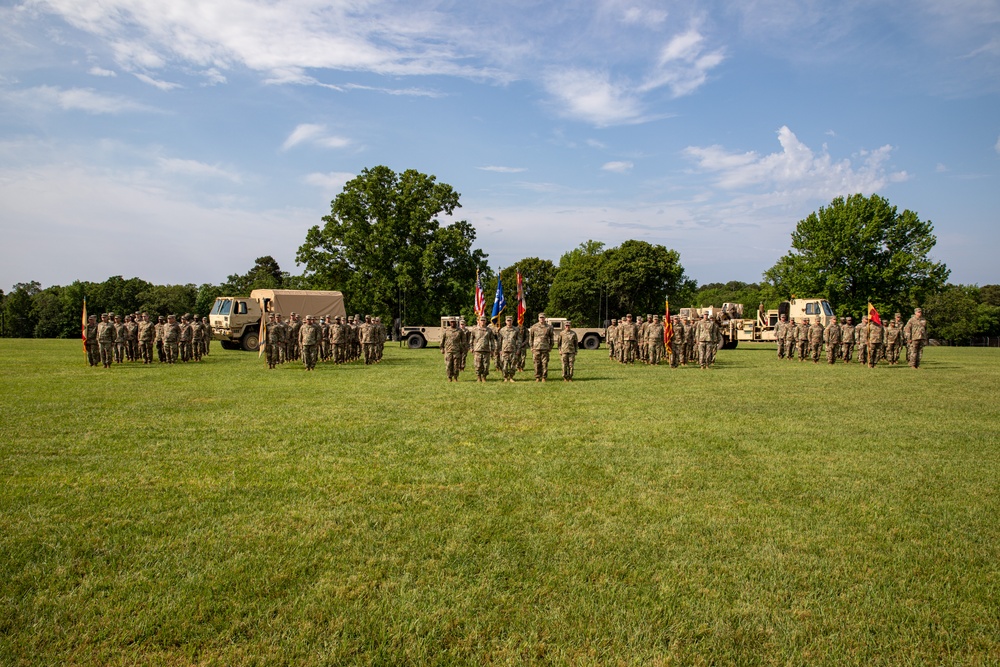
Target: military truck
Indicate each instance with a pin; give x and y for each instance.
(735, 327)
(418, 337)
(235, 320)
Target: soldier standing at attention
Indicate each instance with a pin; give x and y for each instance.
(654, 341)
(802, 339)
(482, 340)
(338, 336)
(171, 339)
(779, 335)
(541, 340)
(309, 337)
(629, 334)
(324, 341)
(706, 332)
(640, 338)
(832, 339)
(292, 351)
(160, 352)
(915, 331)
(861, 340)
(676, 347)
(509, 344)
(92, 346)
(791, 335)
(846, 339)
(131, 338)
(876, 341)
(106, 340)
(208, 333)
(815, 340)
(894, 339)
(465, 337)
(198, 338)
(119, 340)
(451, 348)
(568, 346)
(146, 336)
(272, 341)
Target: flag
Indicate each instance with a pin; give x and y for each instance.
(499, 302)
(521, 308)
(261, 336)
(668, 328)
(83, 331)
(873, 314)
(480, 305)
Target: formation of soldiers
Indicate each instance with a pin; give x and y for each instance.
(136, 337)
(331, 339)
(643, 340)
(871, 340)
(507, 348)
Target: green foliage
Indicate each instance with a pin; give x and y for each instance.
(265, 274)
(857, 250)
(635, 277)
(385, 248)
(19, 311)
(167, 299)
(382, 516)
(751, 295)
(206, 296)
(538, 276)
(957, 313)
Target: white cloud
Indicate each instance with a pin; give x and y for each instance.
(335, 180)
(503, 170)
(70, 99)
(617, 166)
(100, 71)
(156, 83)
(316, 134)
(796, 169)
(684, 64)
(199, 169)
(996, 146)
(590, 96)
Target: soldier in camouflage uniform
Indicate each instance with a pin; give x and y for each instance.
(846, 339)
(308, 343)
(131, 338)
(802, 339)
(779, 334)
(119, 340)
(861, 340)
(568, 345)
(815, 340)
(466, 340)
(161, 354)
(690, 333)
(654, 341)
(509, 341)
(611, 333)
(482, 341)
(674, 348)
(367, 334)
(791, 336)
(274, 341)
(324, 341)
(894, 339)
(106, 340)
(640, 339)
(876, 342)
(338, 336)
(451, 348)
(171, 339)
(92, 346)
(629, 334)
(915, 331)
(831, 337)
(292, 351)
(146, 336)
(198, 338)
(184, 340)
(541, 339)
(706, 332)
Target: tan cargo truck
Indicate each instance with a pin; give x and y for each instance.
(735, 327)
(235, 320)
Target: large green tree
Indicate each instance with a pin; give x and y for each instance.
(639, 276)
(577, 291)
(19, 313)
(537, 275)
(265, 274)
(385, 248)
(959, 313)
(860, 249)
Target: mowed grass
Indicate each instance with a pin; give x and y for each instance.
(762, 513)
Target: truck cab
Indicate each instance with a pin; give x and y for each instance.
(235, 322)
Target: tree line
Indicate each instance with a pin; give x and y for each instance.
(385, 247)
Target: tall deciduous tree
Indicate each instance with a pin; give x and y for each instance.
(19, 310)
(265, 274)
(538, 276)
(639, 276)
(384, 246)
(857, 250)
(577, 290)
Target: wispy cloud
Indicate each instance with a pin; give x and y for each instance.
(684, 64)
(619, 167)
(314, 134)
(156, 83)
(70, 99)
(592, 97)
(334, 180)
(199, 169)
(100, 71)
(503, 170)
(996, 146)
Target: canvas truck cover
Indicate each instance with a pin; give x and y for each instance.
(304, 302)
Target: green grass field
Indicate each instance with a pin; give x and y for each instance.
(762, 513)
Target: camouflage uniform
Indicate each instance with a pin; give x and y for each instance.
(106, 341)
(541, 339)
(640, 340)
(706, 332)
(654, 341)
(568, 344)
(198, 338)
(915, 331)
(876, 341)
(802, 339)
(791, 336)
(275, 341)
(466, 342)
(451, 348)
(338, 336)
(861, 340)
(161, 354)
(815, 340)
(509, 342)
(689, 340)
(674, 348)
(119, 340)
(92, 346)
(292, 351)
(893, 339)
(832, 339)
(146, 336)
(629, 334)
(779, 336)
(611, 334)
(185, 339)
(131, 339)
(482, 340)
(308, 344)
(171, 339)
(846, 339)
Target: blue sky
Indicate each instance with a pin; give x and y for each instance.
(177, 141)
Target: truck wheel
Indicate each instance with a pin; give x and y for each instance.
(250, 342)
(591, 342)
(730, 345)
(415, 341)
(228, 345)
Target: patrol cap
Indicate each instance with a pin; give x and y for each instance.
(309, 317)
(509, 318)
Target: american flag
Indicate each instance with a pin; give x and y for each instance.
(480, 297)
(521, 308)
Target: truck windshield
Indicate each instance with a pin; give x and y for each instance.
(827, 309)
(222, 307)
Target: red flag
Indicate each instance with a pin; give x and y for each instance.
(873, 314)
(521, 308)
(83, 331)
(668, 328)
(480, 305)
